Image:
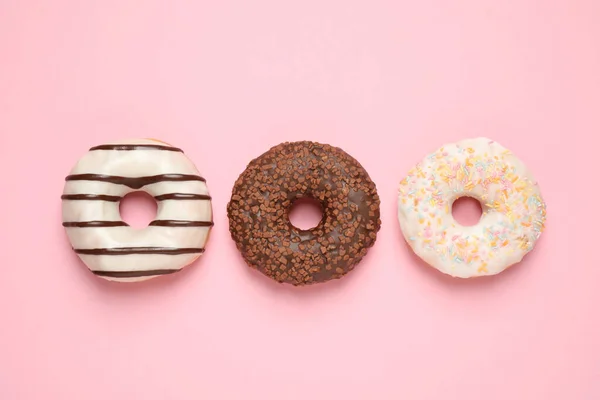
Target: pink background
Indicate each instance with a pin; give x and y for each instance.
(388, 81)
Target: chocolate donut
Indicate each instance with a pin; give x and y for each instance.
(259, 213)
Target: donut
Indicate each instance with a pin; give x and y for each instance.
(259, 213)
(513, 216)
(106, 244)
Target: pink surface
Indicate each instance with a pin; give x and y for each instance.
(388, 81)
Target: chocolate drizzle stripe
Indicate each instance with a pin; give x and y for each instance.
(135, 183)
(102, 197)
(158, 222)
(121, 251)
(182, 196)
(180, 223)
(129, 147)
(94, 224)
(166, 196)
(135, 274)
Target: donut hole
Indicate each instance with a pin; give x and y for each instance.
(467, 211)
(305, 213)
(138, 209)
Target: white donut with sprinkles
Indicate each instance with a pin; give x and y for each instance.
(109, 246)
(513, 209)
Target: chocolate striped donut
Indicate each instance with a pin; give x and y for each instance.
(109, 247)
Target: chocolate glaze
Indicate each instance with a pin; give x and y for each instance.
(260, 203)
(128, 147)
(135, 274)
(180, 223)
(121, 251)
(182, 196)
(135, 183)
(94, 224)
(102, 197)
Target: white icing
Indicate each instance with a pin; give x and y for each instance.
(134, 164)
(513, 209)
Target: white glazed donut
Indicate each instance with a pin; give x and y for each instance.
(513, 217)
(109, 247)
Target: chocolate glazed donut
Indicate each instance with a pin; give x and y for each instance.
(262, 197)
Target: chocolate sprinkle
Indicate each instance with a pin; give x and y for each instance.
(259, 213)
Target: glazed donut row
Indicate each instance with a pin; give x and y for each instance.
(513, 216)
